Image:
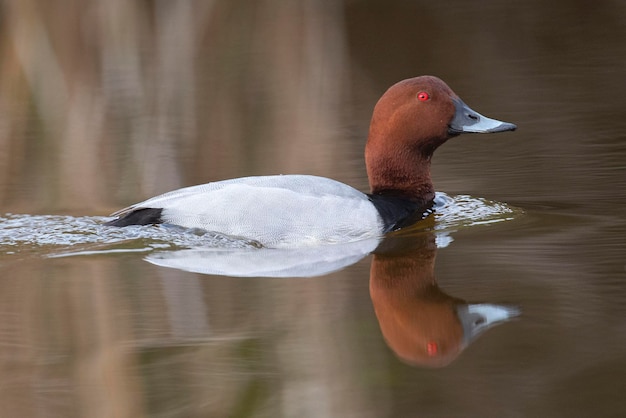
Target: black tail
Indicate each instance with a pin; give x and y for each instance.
(143, 216)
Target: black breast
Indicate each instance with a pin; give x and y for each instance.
(399, 211)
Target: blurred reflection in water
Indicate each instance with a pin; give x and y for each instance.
(77, 336)
(423, 325)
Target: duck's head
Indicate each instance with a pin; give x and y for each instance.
(412, 119)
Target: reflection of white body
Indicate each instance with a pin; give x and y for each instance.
(276, 211)
(266, 262)
(272, 262)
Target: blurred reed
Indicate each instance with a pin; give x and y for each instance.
(104, 103)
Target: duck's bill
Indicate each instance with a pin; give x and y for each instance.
(466, 120)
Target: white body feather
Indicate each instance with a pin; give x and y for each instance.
(277, 211)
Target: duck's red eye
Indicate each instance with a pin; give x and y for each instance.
(422, 96)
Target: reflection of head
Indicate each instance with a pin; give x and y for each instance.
(420, 323)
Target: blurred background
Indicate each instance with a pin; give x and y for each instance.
(106, 103)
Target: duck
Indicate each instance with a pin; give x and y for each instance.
(409, 122)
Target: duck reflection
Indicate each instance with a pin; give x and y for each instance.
(420, 323)
(423, 325)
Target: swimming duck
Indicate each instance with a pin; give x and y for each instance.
(411, 119)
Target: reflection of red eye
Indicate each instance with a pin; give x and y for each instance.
(422, 96)
(432, 348)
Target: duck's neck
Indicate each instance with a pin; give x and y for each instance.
(399, 172)
(401, 188)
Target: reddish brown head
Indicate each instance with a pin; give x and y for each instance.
(409, 122)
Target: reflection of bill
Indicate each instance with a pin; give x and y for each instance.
(420, 323)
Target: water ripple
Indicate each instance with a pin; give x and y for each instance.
(459, 211)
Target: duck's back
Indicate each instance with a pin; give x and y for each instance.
(276, 211)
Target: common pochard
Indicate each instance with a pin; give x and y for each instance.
(409, 122)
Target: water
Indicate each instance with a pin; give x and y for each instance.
(99, 321)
